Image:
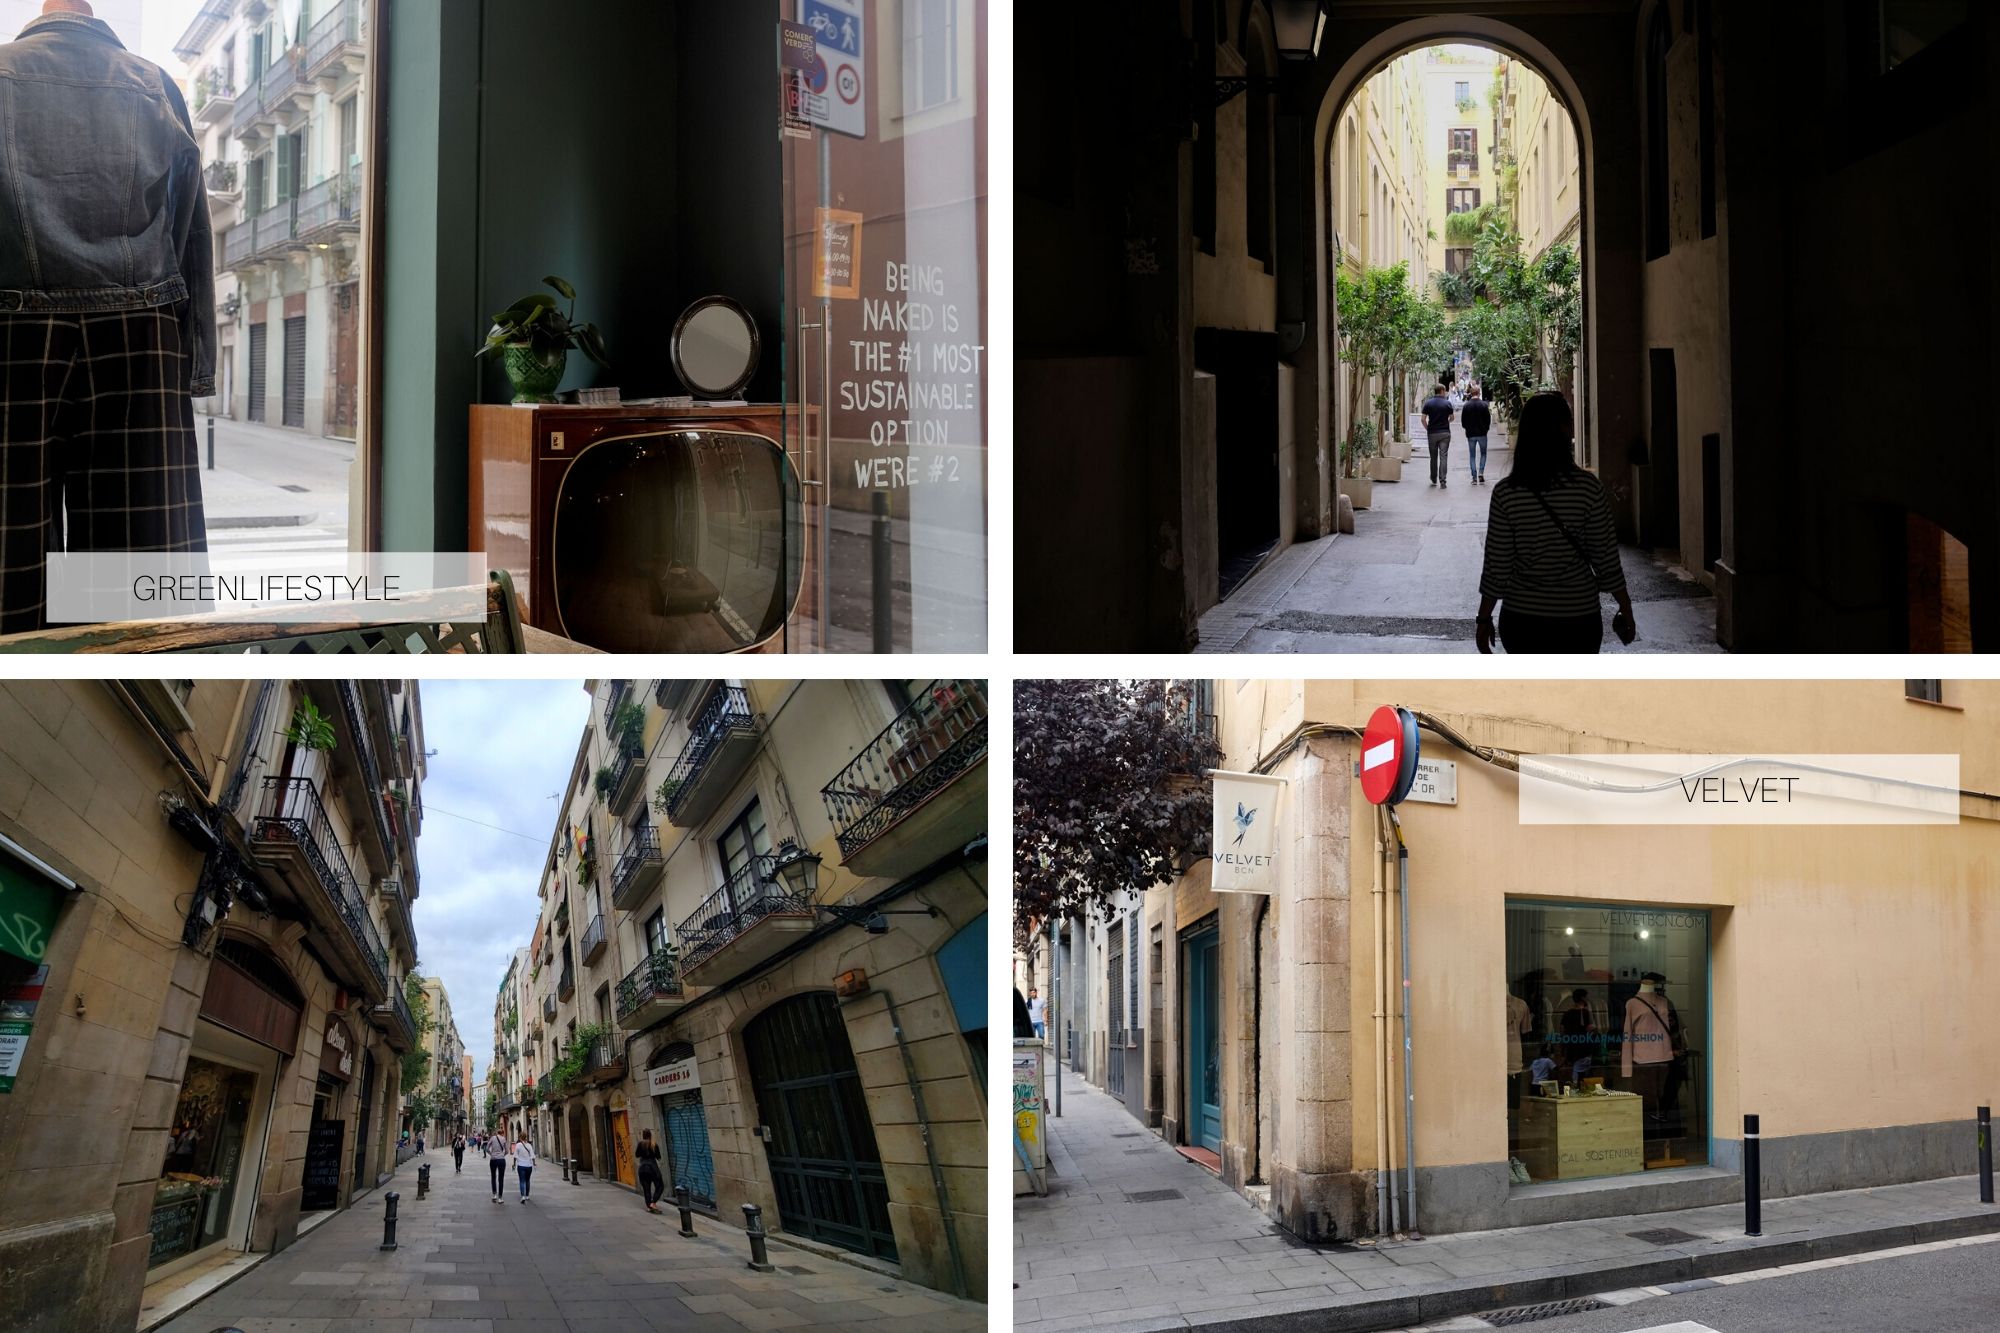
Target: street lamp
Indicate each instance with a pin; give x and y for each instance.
(797, 869)
(1299, 25)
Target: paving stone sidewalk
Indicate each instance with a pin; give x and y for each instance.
(1105, 1249)
(577, 1259)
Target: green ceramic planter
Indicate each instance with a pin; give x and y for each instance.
(534, 379)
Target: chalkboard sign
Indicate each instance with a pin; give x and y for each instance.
(322, 1183)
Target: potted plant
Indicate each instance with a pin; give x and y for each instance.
(603, 781)
(669, 791)
(630, 724)
(310, 728)
(534, 338)
(1359, 486)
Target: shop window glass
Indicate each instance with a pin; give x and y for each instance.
(884, 186)
(1606, 1039)
(204, 1159)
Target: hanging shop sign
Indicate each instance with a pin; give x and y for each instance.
(800, 67)
(1244, 844)
(17, 1021)
(837, 103)
(837, 258)
(1389, 755)
(31, 896)
(680, 1076)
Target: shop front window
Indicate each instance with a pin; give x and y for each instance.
(1606, 1039)
(204, 1160)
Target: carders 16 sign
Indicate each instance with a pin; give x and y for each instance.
(1244, 850)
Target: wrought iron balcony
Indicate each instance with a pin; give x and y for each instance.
(566, 983)
(604, 1059)
(531, 1039)
(900, 804)
(638, 870)
(651, 991)
(330, 207)
(336, 34)
(549, 1008)
(293, 835)
(593, 939)
(374, 792)
(1461, 157)
(628, 775)
(748, 919)
(719, 747)
(219, 178)
(214, 97)
(620, 691)
(562, 918)
(400, 924)
(398, 1024)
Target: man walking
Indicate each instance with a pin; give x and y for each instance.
(458, 1154)
(1036, 1011)
(1438, 413)
(1477, 419)
(496, 1164)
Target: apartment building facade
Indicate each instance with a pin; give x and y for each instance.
(278, 90)
(1458, 142)
(1273, 1039)
(762, 938)
(210, 884)
(445, 1076)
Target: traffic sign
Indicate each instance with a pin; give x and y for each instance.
(834, 99)
(1389, 755)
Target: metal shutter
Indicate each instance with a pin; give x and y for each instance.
(295, 370)
(259, 345)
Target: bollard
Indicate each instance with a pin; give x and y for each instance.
(753, 1226)
(687, 1213)
(389, 1220)
(211, 444)
(881, 575)
(1753, 1180)
(565, 1168)
(424, 1181)
(576, 1170)
(1986, 1154)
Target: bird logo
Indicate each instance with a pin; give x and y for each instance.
(1243, 819)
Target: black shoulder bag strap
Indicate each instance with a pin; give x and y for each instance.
(1568, 536)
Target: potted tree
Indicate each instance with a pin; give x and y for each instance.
(534, 338)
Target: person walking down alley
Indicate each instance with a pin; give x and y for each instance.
(1036, 1013)
(1551, 546)
(496, 1164)
(1438, 412)
(1477, 418)
(651, 1183)
(524, 1164)
(458, 1154)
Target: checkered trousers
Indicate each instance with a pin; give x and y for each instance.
(97, 446)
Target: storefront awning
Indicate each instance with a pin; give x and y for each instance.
(31, 894)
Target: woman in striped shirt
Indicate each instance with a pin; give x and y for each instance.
(1551, 547)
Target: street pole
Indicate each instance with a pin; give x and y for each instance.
(1986, 1154)
(1409, 1083)
(1054, 1024)
(211, 444)
(1753, 1176)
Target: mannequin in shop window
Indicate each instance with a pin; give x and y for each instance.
(1520, 1021)
(1652, 1043)
(107, 306)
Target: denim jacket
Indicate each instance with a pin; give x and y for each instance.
(102, 205)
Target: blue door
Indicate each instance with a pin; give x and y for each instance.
(687, 1148)
(1204, 1046)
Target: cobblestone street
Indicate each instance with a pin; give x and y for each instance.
(576, 1259)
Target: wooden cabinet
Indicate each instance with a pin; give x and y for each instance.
(643, 529)
(1569, 1138)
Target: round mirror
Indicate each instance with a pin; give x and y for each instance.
(715, 347)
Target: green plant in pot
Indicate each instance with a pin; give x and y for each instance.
(533, 338)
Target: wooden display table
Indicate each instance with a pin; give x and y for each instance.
(1570, 1138)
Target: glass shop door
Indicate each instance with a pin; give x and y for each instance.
(883, 145)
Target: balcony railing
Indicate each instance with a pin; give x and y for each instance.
(1461, 157)
(255, 238)
(628, 775)
(593, 939)
(334, 204)
(214, 94)
(341, 26)
(549, 1008)
(562, 918)
(620, 691)
(266, 93)
(723, 718)
(294, 818)
(604, 1059)
(566, 984)
(748, 897)
(399, 914)
(371, 775)
(219, 177)
(400, 1026)
(637, 869)
(657, 978)
(920, 752)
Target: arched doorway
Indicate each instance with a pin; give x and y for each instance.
(579, 1136)
(825, 1167)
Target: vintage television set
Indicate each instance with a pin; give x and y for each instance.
(642, 529)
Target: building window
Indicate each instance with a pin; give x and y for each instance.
(1466, 141)
(1461, 91)
(930, 54)
(1606, 1039)
(1461, 199)
(744, 839)
(1926, 691)
(1457, 259)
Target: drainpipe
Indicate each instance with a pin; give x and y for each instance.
(1409, 1048)
(1381, 983)
(930, 1147)
(1256, 1175)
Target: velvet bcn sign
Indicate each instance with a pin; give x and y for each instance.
(1245, 849)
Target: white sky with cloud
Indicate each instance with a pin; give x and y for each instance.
(503, 747)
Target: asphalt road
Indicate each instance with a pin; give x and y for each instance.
(1943, 1291)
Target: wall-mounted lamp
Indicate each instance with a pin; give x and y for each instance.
(1297, 27)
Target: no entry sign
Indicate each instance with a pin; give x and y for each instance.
(1389, 755)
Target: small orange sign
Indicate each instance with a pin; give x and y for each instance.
(837, 258)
